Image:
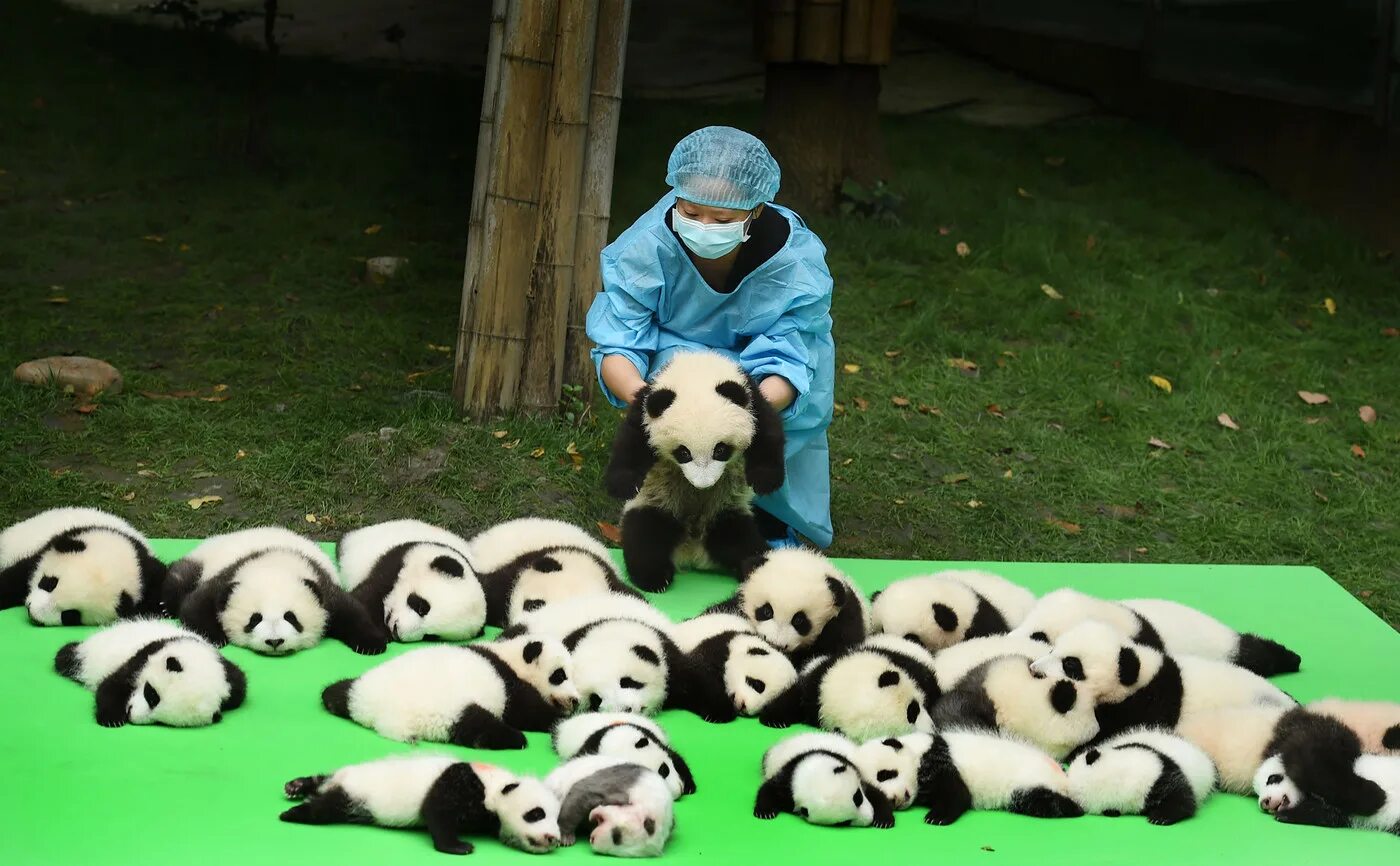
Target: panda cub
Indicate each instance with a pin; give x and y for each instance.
(953, 772)
(78, 566)
(946, 608)
(413, 577)
(1134, 685)
(814, 777)
(152, 672)
(751, 669)
(625, 806)
(688, 501)
(446, 796)
(1377, 723)
(1164, 625)
(269, 590)
(1378, 777)
(629, 736)
(1148, 771)
(481, 695)
(530, 562)
(875, 689)
(952, 664)
(799, 602)
(1005, 694)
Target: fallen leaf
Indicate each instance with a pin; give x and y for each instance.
(418, 374)
(240, 455)
(86, 408)
(200, 501)
(1226, 421)
(1312, 419)
(901, 402)
(974, 503)
(129, 496)
(899, 502)
(155, 239)
(310, 518)
(572, 449)
(610, 532)
(577, 460)
(203, 473)
(1320, 495)
(1010, 354)
(436, 348)
(1069, 528)
(1054, 161)
(838, 408)
(893, 353)
(500, 434)
(1140, 549)
(851, 368)
(1161, 382)
(374, 229)
(184, 248)
(994, 410)
(848, 461)
(1158, 443)
(1006, 474)
(57, 299)
(1358, 452)
(1365, 593)
(955, 478)
(1121, 512)
(219, 389)
(217, 398)
(356, 387)
(861, 403)
(1368, 415)
(1023, 192)
(1313, 399)
(1089, 243)
(537, 453)
(512, 444)
(926, 409)
(907, 302)
(963, 249)
(1050, 292)
(147, 473)
(1390, 332)
(1330, 306)
(962, 364)
(944, 231)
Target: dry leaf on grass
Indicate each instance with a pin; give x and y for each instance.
(907, 302)
(1161, 382)
(926, 409)
(893, 353)
(147, 473)
(955, 478)
(436, 348)
(838, 408)
(1320, 495)
(240, 455)
(1089, 243)
(86, 408)
(1358, 452)
(1140, 549)
(851, 368)
(963, 249)
(1023, 192)
(184, 248)
(901, 402)
(610, 531)
(994, 410)
(155, 239)
(1069, 528)
(127, 497)
(944, 231)
(861, 403)
(500, 434)
(1312, 419)
(200, 501)
(1330, 306)
(374, 229)
(511, 445)
(899, 502)
(57, 299)
(1226, 421)
(974, 503)
(1390, 332)
(310, 517)
(572, 450)
(962, 364)
(848, 461)
(537, 453)
(1313, 399)
(1050, 292)
(1054, 161)
(1368, 415)
(1158, 443)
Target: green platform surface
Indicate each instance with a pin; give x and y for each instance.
(72, 792)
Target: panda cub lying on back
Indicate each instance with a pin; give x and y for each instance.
(625, 806)
(688, 502)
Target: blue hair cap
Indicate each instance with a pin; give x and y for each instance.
(721, 166)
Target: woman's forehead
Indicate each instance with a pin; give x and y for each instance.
(711, 211)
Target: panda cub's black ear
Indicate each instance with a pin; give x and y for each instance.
(838, 591)
(315, 588)
(448, 566)
(659, 401)
(532, 651)
(734, 393)
(69, 544)
(752, 564)
(547, 565)
(945, 616)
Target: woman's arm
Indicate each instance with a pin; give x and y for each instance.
(621, 377)
(777, 391)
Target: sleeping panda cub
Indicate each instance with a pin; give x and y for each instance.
(152, 672)
(625, 807)
(946, 608)
(446, 796)
(1164, 625)
(413, 577)
(814, 777)
(78, 566)
(1378, 775)
(953, 771)
(530, 562)
(1377, 723)
(1147, 771)
(481, 695)
(269, 590)
(629, 736)
(1004, 694)
(799, 602)
(751, 669)
(688, 501)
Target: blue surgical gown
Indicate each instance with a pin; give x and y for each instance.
(777, 321)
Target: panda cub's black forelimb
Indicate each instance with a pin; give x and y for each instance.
(764, 465)
(650, 537)
(632, 454)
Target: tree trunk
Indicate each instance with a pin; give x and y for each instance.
(264, 82)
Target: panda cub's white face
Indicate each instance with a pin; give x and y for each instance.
(892, 765)
(933, 612)
(621, 667)
(273, 608)
(80, 580)
(528, 811)
(625, 741)
(1089, 653)
(697, 415)
(865, 695)
(754, 672)
(554, 577)
(792, 596)
(828, 791)
(633, 830)
(436, 596)
(1276, 791)
(543, 662)
(181, 685)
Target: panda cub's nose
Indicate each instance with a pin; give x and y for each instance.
(274, 642)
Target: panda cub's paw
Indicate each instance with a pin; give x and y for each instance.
(932, 817)
(764, 813)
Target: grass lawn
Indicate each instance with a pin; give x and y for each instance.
(190, 271)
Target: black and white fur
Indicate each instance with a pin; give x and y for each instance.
(530, 562)
(815, 777)
(78, 566)
(1151, 772)
(481, 695)
(688, 503)
(269, 590)
(873, 690)
(1375, 781)
(1164, 625)
(629, 736)
(625, 806)
(413, 577)
(1004, 694)
(153, 672)
(799, 602)
(752, 670)
(1133, 685)
(448, 797)
(948, 607)
(625, 659)
(954, 771)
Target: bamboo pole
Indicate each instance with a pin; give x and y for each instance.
(819, 31)
(775, 28)
(566, 140)
(595, 199)
(855, 32)
(882, 15)
(495, 331)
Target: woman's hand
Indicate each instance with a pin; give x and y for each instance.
(778, 392)
(622, 378)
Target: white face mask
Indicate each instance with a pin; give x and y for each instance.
(710, 240)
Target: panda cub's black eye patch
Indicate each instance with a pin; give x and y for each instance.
(755, 684)
(913, 711)
(886, 775)
(449, 566)
(629, 683)
(646, 654)
(595, 701)
(893, 744)
(418, 604)
(682, 454)
(664, 771)
(1074, 668)
(557, 678)
(151, 695)
(649, 825)
(1274, 779)
(253, 622)
(801, 623)
(1040, 636)
(723, 451)
(1091, 756)
(913, 638)
(292, 620)
(764, 612)
(641, 744)
(48, 583)
(617, 835)
(533, 604)
(535, 814)
(172, 664)
(757, 651)
(857, 798)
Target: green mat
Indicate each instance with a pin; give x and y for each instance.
(73, 792)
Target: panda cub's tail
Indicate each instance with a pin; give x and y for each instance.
(1265, 657)
(336, 698)
(66, 662)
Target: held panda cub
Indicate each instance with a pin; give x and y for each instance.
(269, 590)
(949, 607)
(78, 566)
(1378, 776)
(799, 602)
(688, 502)
(148, 671)
(628, 736)
(814, 777)
(530, 562)
(1148, 771)
(413, 577)
(481, 695)
(625, 806)
(1004, 694)
(952, 772)
(446, 796)
(1164, 625)
(752, 670)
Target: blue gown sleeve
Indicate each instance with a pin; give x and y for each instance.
(622, 320)
(788, 347)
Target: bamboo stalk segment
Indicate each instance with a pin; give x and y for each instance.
(855, 32)
(775, 31)
(882, 16)
(595, 199)
(566, 138)
(819, 31)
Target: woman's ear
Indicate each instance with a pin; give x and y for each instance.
(763, 461)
